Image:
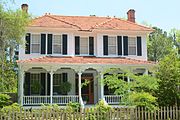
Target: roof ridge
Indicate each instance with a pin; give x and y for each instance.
(63, 21)
(95, 26)
(133, 23)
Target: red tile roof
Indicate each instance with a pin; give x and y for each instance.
(85, 60)
(86, 23)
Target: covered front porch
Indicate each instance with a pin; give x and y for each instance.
(60, 84)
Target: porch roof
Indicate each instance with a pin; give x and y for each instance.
(86, 60)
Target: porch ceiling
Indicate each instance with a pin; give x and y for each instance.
(85, 60)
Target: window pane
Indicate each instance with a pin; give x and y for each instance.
(35, 39)
(84, 45)
(35, 84)
(112, 45)
(57, 49)
(112, 41)
(35, 48)
(132, 45)
(35, 43)
(57, 44)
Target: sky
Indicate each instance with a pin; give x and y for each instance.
(161, 13)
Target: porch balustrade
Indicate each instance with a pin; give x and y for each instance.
(113, 99)
(38, 100)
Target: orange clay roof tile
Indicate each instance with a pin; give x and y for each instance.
(84, 60)
(87, 23)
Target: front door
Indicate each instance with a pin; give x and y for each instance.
(87, 90)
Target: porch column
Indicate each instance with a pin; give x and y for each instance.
(21, 85)
(80, 97)
(146, 72)
(51, 87)
(128, 80)
(102, 85)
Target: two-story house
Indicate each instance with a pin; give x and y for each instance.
(72, 49)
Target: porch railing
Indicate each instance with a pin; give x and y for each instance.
(64, 99)
(113, 99)
(60, 99)
(36, 100)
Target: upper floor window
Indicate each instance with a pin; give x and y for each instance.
(35, 43)
(112, 45)
(84, 47)
(57, 44)
(132, 46)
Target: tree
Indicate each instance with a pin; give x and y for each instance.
(12, 30)
(138, 92)
(159, 44)
(8, 77)
(168, 71)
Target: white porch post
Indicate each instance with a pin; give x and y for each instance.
(80, 97)
(21, 90)
(102, 85)
(146, 72)
(51, 87)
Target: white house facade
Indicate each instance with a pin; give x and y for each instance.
(62, 52)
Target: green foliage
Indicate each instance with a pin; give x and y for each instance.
(141, 99)
(12, 30)
(48, 108)
(103, 111)
(140, 87)
(8, 77)
(73, 107)
(4, 100)
(159, 44)
(85, 83)
(65, 87)
(168, 71)
(9, 110)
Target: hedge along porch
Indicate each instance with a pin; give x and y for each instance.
(44, 80)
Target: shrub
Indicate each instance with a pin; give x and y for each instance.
(4, 100)
(73, 107)
(11, 109)
(141, 99)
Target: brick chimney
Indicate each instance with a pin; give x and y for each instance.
(24, 7)
(131, 15)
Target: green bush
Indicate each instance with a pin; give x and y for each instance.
(141, 99)
(73, 107)
(11, 109)
(4, 100)
(102, 111)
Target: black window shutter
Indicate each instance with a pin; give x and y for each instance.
(139, 46)
(27, 84)
(65, 77)
(125, 42)
(91, 45)
(48, 83)
(77, 45)
(28, 43)
(49, 44)
(43, 43)
(64, 36)
(43, 79)
(105, 45)
(119, 44)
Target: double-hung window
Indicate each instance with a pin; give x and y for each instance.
(57, 44)
(35, 43)
(132, 45)
(56, 83)
(84, 45)
(112, 45)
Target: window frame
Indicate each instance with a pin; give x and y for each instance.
(135, 38)
(87, 46)
(35, 44)
(116, 52)
(55, 44)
